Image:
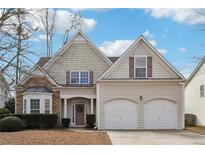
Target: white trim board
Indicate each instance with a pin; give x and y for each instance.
(127, 52)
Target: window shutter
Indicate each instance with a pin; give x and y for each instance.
(68, 77)
(91, 77)
(149, 66)
(131, 67)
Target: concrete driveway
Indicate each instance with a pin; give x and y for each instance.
(155, 137)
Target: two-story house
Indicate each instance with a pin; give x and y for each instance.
(139, 90)
(195, 93)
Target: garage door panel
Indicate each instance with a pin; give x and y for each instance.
(120, 114)
(160, 114)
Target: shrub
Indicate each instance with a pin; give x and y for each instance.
(32, 121)
(190, 120)
(11, 124)
(10, 104)
(65, 122)
(4, 111)
(90, 120)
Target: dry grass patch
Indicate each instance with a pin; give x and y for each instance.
(54, 137)
(197, 129)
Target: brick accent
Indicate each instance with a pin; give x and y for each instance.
(56, 104)
(19, 100)
(37, 81)
(33, 81)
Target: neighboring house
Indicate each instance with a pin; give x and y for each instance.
(139, 90)
(4, 90)
(195, 94)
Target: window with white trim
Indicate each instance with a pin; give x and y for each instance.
(35, 106)
(79, 77)
(202, 91)
(24, 106)
(141, 67)
(47, 106)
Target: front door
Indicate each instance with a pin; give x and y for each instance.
(80, 114)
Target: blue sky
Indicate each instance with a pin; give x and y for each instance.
(170, 30)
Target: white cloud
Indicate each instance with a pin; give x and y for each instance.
(63, 21)
(187, 16)
(148, 34)
(90, 9)
(181, 49)
(115, 48)
(153, 42)
(163, 51)
(39, 37)
(186, 72)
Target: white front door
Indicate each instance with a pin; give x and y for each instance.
(120, 114)
(160, 114)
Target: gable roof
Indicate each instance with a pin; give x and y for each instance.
(113, 59)
(43, 60)
(202, 61)
(38, 89)
(156, 52)
(82, 36)
(27, 76)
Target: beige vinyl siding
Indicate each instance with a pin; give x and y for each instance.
(160, 70)
(148, 90)
(78, 91)
(79, 56)
(193, 102)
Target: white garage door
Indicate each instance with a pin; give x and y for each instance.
(160, 114)
(120, 114)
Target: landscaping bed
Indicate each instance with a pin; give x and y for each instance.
(54, 137)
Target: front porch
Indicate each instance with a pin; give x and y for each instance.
(76, 108)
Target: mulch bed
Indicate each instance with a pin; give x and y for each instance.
(197, 129)
(54, 137)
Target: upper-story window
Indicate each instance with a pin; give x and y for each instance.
(79, 77)
(202, 91)
(141, 67)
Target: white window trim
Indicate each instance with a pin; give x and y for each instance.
(139, 56)
(80, 71)
(26, 106)
(42, 97)
(40, 105)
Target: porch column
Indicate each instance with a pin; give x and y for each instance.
(65, 108)
(91, 101)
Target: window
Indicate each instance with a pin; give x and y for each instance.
(79, 77)
(202, 91)
(35, 106)
(141, 67)
(47, 106)
(24, 106)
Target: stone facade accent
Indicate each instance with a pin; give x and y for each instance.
(33, 81)
(37, 81)
(19, 100)
(56, 104)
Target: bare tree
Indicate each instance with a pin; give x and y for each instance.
(16, 60)
(75, 23)
(47, 19)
